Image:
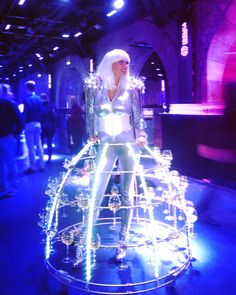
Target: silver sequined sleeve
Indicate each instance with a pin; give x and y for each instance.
(137, 91)
(91, 87)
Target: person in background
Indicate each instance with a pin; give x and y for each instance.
(11, 125)
(114, 119)
(75, 125)
(48, 124)
(32, 114)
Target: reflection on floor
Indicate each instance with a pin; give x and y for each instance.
(23, 269)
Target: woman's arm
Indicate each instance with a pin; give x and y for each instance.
(138, 119)
(91, 87)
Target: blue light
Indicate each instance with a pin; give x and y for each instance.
(77, 34)
(118, 4)
(66, 35)
(111, 12)
(21, 2)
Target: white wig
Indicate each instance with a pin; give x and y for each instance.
(105, 72)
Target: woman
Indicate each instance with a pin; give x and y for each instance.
(114, 118)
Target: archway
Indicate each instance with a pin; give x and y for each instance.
(221, 60)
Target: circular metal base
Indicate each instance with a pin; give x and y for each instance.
(146, 266)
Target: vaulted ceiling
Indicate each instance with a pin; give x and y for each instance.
(38, 25)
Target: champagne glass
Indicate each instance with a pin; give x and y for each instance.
(95, 244)
(89, 165)
(156, 153)
(43, 220)
(123, 265)
(183, 183)
(166, 196)
(80, 240)
(191, 217)
(114, 204)
(143, 203)
(83, 203)
(66, 164)
(67, 238)
(51, 234)
(64, 200)
(167, 158)
(174, 175)
(92, 151)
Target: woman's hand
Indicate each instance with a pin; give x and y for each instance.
(141, 141)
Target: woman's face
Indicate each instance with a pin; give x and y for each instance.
(119, 68)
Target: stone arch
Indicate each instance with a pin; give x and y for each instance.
(221, 58)
(158, 41)
(70, 84)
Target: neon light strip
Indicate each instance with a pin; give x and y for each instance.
(56, 199)
(99, 169)
(150, 209)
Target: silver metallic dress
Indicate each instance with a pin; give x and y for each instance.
(116, 122)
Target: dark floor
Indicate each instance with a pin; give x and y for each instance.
(23, 269)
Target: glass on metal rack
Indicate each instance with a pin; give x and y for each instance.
(158, 237)
(114, 204)
(67, 238)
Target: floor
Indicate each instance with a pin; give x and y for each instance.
(22, 262)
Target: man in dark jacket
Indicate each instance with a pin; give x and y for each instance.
(32, 115)
(11, 125)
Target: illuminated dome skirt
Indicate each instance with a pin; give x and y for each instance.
(158, 250)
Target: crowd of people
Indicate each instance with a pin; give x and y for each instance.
(35, 118)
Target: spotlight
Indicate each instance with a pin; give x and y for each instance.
(7, 27)
(21, 2)
(118, 4)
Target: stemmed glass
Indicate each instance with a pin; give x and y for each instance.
(83, 202)
(95, 244)
(80, 240)
(174, 175)
(66, 164)
(67, 238)
(89, 165)
(92, 151)
(123, 265)
(143, 205)
(114, 204)
(166, 198)
(43, 220)
(183, 183)
(191, 217)
(64, 200)
(156, 153)
(51, 234)
(167, 158)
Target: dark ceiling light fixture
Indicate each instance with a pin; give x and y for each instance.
(77, 34)
(7, 27)
(21, 2)
(66, 35)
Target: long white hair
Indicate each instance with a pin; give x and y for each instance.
(104, 70)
